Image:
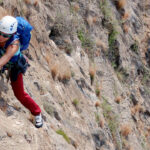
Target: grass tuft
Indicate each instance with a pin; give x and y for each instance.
(125, 16)
(54, 71)
(61, 132)
(92, 72)
(27, 1)
(97, 104)
(102, 122)
(118, 99)
(75, 102)
(125, 28)
(126, 130)
(86, 42)
(36, 3)
(121, 4)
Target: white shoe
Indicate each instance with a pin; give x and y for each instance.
(38, 121)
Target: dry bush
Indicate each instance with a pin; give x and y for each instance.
(125, 16)
(100, 43)
(90, 20)
(148, 129)
(9, 134)
(125, 28)
(118, 99)
(35, 3)
(125, 143)
(121, 4)
(66, 75)
(102, 122)
(133, 111)
(97, 52)
(94, 19)
(27, 1)
(98, 89)
(76, 7)
(47, 58)
(126, 130)
(92, 72)
(146, 134)
(3, 12)
(97, 104)
(54, 71)
(137, 39)
(25, 10)
(68, 48)
(63, 26)
(137, 108)
(59, 77)
(67, 41)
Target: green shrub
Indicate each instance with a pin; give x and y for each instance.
(1, 1)
(110, 22)
(106, 108)
(135, 47)
(112, 38)
(145, 76)
(61, 132)
(75, 102)
(122, 74)
(97, 117)
(143, 142)
(72, 74)
(113, 52)
(86, 43)
(97, 91)
(111, 119)
(68, 49)
(85, 39)
(105, 9)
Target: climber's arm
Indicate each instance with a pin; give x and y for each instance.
(10, 51)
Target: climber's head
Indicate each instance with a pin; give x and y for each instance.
(8, 26)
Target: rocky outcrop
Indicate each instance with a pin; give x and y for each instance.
(89, 73)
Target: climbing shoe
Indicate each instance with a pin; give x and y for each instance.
(38, 121)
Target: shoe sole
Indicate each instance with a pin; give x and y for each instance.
(38, 126)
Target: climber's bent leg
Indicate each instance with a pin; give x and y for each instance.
(23, 97)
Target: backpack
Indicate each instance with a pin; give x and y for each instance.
(23, 31)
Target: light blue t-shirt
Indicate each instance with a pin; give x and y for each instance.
(9, 42)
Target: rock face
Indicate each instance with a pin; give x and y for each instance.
(89, 73)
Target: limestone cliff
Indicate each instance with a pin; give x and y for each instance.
(90, 73)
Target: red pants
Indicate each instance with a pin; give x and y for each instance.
(23, 97)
